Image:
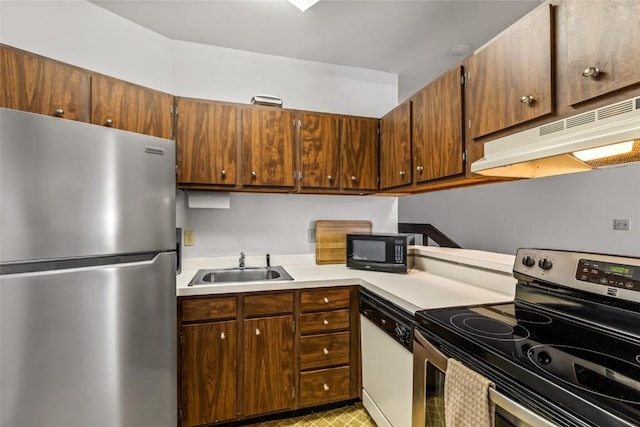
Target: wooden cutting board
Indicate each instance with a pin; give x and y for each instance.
(331, 241)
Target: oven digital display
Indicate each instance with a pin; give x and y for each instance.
(609, 274)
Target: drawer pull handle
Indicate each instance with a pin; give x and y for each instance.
(258, 331)
(383, 321)
(325, 387)
(222, 335)
(592, 72)
(108, 122)
(325, 350)
(59, 112)
(527, 99)
(326, 300)
(325, 322)
(353, 178)
(223, 172)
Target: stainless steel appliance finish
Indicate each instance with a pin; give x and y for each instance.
(567, 349)
(87, 275)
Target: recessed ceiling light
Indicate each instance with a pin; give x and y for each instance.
(459, 49)
(303, 4)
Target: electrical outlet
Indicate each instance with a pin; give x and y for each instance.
(311, 235)
(189, 238)
(620, 224)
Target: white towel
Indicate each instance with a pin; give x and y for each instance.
(466, 397)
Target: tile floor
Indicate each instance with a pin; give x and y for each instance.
(349, 416)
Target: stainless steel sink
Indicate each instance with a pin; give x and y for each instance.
(245, 274)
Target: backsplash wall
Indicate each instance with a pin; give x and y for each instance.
(276, 223)
(571, 212)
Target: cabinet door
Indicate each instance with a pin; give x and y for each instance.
(122, 105)
(267, 147)
(511, 78)
(359, 138)
(395, 147)
(437, 128)
(268, 364)
(602, 35)
(208, 387)
(43, 86)
(320, 150)
(207, 142)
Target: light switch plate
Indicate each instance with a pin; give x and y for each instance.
(189, 238)
(620, 224)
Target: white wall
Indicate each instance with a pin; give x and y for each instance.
(277, 223)
(572, 212)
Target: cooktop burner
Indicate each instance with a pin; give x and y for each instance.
(488, 328)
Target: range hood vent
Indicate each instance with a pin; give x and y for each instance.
(555, 148)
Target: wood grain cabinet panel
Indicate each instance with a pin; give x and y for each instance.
(511, 78)
(268, 365)
(267, 147)
(208, 373)
(395, 147)
(324, 321)
(204, 309)
(320, 150)
(43, 86)
(359, 140)
(122, 105)
(324, 385)
(324, 299)
(437, 128)
(602, 35)
(319, 351)
(207, 142)
(269, 304)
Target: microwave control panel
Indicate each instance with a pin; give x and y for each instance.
(399, 252)
(609, 274)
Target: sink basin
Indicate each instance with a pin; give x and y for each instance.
(247, 274)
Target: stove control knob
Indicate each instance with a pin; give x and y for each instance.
(545, 264)
(528, 261)
(544, 358)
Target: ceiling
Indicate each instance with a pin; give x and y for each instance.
(413, 39)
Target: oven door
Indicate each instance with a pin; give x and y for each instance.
(429, 370)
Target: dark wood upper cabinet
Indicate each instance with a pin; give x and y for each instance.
(359, 139)
(267, 147)
(511, 78)
(395, 147)
(268, 364)
(122, 105)
(603, 47)
(319, 150)
(208, 372)
(437, 128)
(43, 86)
(207, 142)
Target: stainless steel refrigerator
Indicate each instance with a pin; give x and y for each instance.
(87, 275)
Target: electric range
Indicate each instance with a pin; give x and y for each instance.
(567, 348)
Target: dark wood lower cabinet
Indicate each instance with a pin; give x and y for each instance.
(209, 354)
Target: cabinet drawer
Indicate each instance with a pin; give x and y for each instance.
(263, 305)
(324, 385)
(324, 321)
(319, 351)
(324, 299)
(208, 309)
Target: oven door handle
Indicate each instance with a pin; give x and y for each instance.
(428, 352)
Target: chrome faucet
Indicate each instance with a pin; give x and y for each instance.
(241, 260)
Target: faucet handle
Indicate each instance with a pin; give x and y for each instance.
(268, 261)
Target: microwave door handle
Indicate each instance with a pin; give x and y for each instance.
(518, 411)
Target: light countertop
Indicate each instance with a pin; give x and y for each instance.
(416, 290)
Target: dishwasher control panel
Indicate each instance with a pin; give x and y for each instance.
(395, 323)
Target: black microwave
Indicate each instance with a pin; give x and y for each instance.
(380, 252)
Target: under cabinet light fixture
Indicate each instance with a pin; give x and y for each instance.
(303, 4)
(606, 151)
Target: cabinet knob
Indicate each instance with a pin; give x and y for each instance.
(325, 322)
(223, 172)
(527, 99)
(325, 387)
(592, 72)
(258, 331)
(326, 300)
(353, 178)
(383, 321)
(329, 177)
(254, 174)
(403, 173)
(59, 112)
(108, 122)
(222, 335)
(325, 350)
(420, 168)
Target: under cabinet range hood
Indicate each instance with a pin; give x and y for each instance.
(604, 137)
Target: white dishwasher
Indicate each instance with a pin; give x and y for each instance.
(387, 361)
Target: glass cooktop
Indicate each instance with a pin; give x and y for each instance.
(580, 366)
